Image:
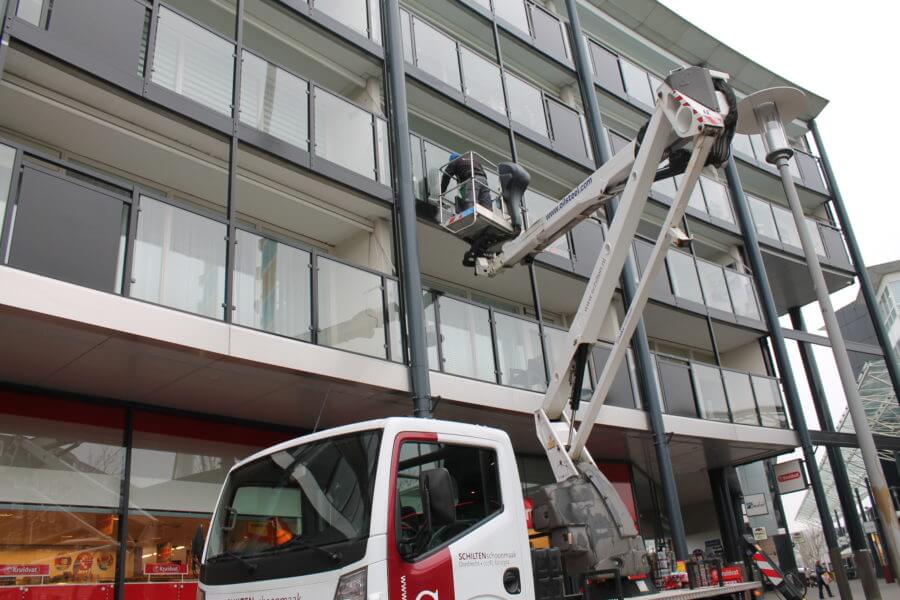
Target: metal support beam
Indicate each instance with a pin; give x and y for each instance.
(865, 284)
(645, 366)
(770, 313)
(124, 503)
(863, 557)
(405, 211)
(514, 155)
(233, 147)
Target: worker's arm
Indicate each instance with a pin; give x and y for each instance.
(449, 172)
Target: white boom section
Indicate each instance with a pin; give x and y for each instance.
(676, 117)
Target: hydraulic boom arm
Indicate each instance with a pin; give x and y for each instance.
(692, 111)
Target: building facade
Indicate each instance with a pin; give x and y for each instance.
(200, 234)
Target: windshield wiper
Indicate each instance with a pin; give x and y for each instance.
(300, 543)
(251, 566)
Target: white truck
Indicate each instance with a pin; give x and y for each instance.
(423, 509)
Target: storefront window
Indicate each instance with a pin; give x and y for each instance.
(61, 464)
(178, 465)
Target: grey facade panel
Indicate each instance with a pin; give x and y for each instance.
(606, 68)
(587, 239)
(678, 392)
(67, 231)
(568, 136)
(621, 393)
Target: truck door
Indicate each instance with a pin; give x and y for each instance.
(457, 525)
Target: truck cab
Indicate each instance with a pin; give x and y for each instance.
(393, 509)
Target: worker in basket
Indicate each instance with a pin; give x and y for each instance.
(463, 168)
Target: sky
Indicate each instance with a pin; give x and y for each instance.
(846, 56)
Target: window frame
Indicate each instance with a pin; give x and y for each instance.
(395, 506)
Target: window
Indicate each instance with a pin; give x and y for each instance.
(787, 227)
(768, 399)
(716, 199)
(292, 506)
(606, 68)
(742, 294)
(474, 492)
(740, 397)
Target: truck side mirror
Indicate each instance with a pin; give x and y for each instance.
(198, 543)
(514, 180)
(438, 497)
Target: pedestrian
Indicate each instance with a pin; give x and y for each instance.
(463, 168)
(823, 577)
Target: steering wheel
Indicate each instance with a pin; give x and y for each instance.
(447, 532)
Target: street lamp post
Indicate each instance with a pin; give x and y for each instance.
(765, 112)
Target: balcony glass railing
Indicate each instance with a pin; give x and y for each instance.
(272, 286)
(528, 106)
(436, 53)
(487, 87)
(479, 79)
(192, 61)
(776, 224)
(692, 389)
(196, 63)
(804, 166)
(454, 64)
(702, 282)
(179, 261)
(274, 101)
(547, 31)
(480, 342)
(350, 136)
(362, 16)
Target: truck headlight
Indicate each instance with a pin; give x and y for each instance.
(352, 586)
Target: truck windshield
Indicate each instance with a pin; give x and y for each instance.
(307, 497)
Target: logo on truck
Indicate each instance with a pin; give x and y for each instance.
(423, 595)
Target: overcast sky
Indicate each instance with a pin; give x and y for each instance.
(846, 56)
